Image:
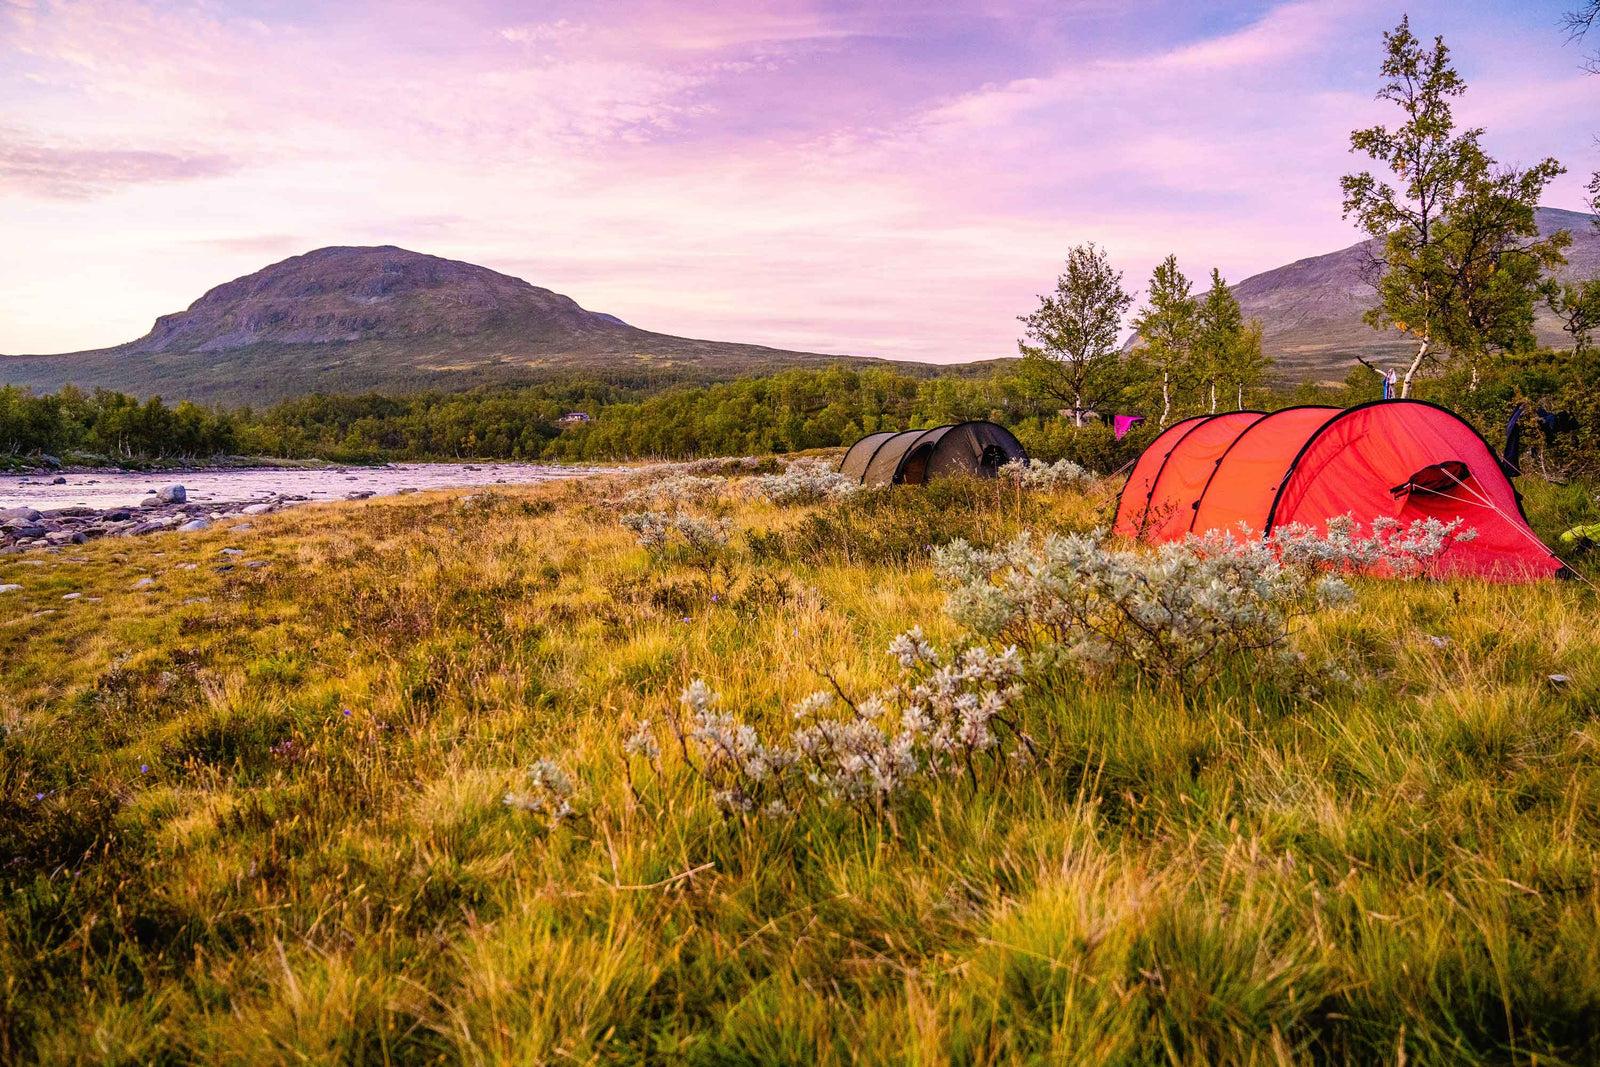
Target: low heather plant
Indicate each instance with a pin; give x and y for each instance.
(1180, 614)
(804, 481)
(946, 718)
(1045, 477)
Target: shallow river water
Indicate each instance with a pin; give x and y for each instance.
(108, 489)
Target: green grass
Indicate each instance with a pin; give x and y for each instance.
(272, 827)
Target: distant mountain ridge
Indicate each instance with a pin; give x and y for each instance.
(1310, 310)
(357, 319)
(354, 319)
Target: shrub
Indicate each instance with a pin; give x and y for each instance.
(805, 481)
(944, 720)
(657, 530)
(1062, 474)
(1389, 549)
(1178, 615)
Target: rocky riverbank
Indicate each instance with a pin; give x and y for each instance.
(168, 508)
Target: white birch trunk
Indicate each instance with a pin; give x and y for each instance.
(1166, 397)
(1411, 372)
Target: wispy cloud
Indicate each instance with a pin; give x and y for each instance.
(76, 173)
(894, 179)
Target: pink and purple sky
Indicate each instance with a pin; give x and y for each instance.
(891, 179)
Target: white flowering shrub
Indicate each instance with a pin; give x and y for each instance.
(1180, 614)
(677, 491)
(1045, 477)
(549, 794)
(804, 481)
(1388, 548)
(945, 719)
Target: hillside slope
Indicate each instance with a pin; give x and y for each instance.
(348, 320)
(1310, 310)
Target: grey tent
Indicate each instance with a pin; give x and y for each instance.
(978, 449)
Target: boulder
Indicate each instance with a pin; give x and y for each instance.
(50, 461)
(195, 525)
(172, 494)
(19, 513)
(117, 515)
(10, 587)
(76, 511)
(144, 583)
(23, 531)
(257, 509)
(62, 537)
(58, 480)
(150, 502)
(358, 494)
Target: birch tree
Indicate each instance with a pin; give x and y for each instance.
(1459, 258)
(1070, 351)
(1166, 327)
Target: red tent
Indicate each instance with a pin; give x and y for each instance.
(1405, 459)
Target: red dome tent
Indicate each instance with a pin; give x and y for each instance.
(1404, 459)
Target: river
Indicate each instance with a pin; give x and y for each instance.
(111, 489)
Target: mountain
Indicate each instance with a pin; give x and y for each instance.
(1310, 310)
(349, 320)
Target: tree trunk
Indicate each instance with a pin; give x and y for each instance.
(1241, 395)
(1077, 410)
(1472, 386)
(1213, 398)
(1166, 397)
(1411, 372)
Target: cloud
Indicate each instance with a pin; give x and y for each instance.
(76, 173)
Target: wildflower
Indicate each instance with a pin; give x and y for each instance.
(144, 768)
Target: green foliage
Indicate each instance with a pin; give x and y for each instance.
(111, 425)
(1070, 351)
(1166, 328)
(1461, 258)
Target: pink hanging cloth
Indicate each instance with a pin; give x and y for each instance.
(1123, 423)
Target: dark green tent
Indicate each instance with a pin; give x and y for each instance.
(977, 449)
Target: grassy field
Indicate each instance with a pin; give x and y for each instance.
(256, 814)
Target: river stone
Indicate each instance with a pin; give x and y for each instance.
(24, 531)
(29, 514)
(62, 537)
(76, 511)
(358, 494)
(58, 480)
(194, 525)
(150, 502)
(117, 515)
(256, 509)
(144, 583)
(172, 494)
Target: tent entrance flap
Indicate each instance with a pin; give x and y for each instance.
(1440, 478)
